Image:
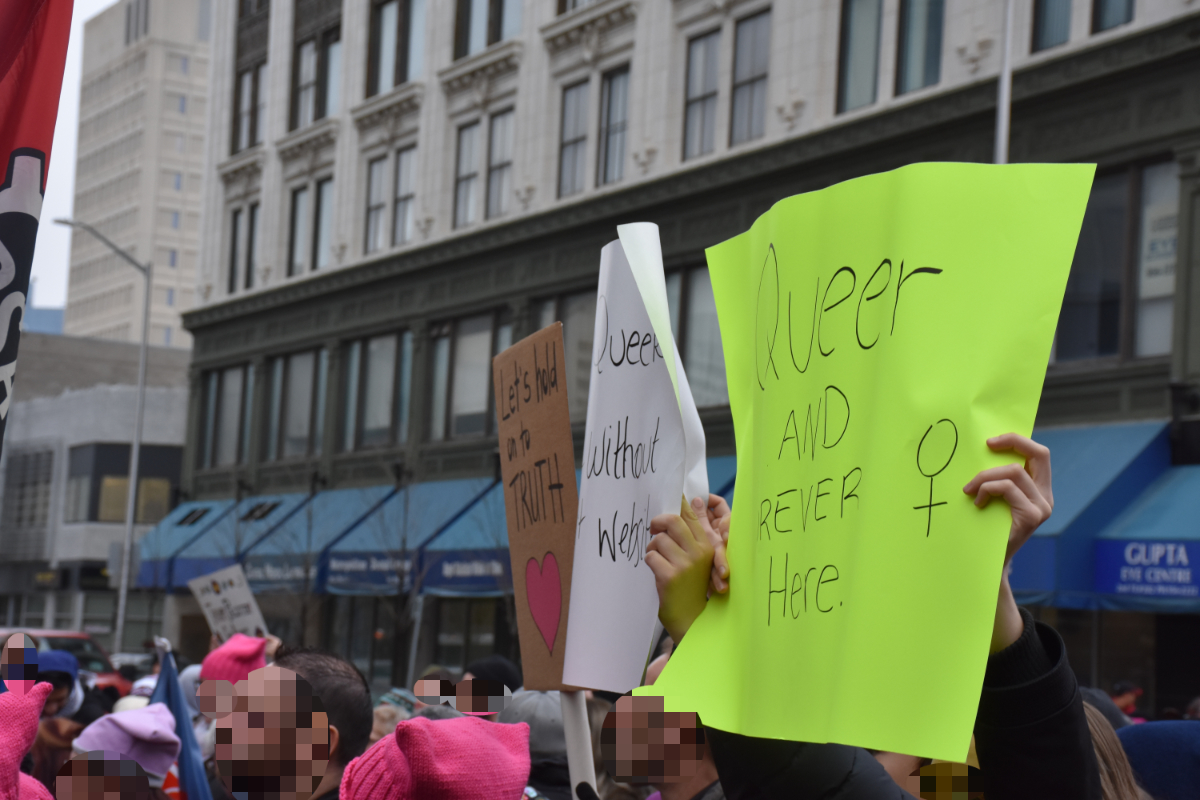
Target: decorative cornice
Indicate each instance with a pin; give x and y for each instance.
(308, 141)
(243, 167)
(387, 109)
(587, 26)
(480, 71)
(973, 102)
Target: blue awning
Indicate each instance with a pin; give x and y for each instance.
(1144, 558)
(469, 557)
(233, 535)
(188, 522)
(1098, 471)
(283, 558)
(373, 556)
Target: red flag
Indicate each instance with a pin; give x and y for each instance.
(33, 51)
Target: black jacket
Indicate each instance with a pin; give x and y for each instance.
(1031, 737)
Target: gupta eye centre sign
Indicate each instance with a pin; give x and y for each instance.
(1146, 567)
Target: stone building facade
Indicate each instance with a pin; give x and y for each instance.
(142, 116)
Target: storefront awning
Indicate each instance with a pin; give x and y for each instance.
(282, 559)
(469, 556)
(187, 523)
(232, 535)
(1098, 471)
(1144, 560)
(374, 556)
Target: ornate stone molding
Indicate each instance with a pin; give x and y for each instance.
(587, 26)
(308, 142)
(479, 73)
(1175, 45)
(387, 110)
(244, 167)
(688, 13)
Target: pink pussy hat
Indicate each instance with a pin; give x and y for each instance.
(447, 759)
(234, 660)
(147, 735)
(19, 714)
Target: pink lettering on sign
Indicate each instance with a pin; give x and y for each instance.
(543, 587)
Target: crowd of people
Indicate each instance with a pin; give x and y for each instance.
(1037, 733)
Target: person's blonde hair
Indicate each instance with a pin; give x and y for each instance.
(1116, 774)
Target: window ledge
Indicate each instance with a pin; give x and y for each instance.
(309, 140)
(480, 71)
(585, 26)
(387, 109)
(243, 167)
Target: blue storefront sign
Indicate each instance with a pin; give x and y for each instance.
(1148, 568)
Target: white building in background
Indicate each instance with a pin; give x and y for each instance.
(143, 107)
(64, 479)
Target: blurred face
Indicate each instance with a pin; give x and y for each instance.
(102, 775)
(642, 743)
(272, 737)
(55, 701)
(19, 664)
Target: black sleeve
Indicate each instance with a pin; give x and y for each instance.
(772, 768)
(1031, 734)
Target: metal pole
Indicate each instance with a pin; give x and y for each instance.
(136, 450)
(1004, 100)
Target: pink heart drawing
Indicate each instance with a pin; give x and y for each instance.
(543, 589)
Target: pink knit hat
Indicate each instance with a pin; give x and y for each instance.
(234, 660)
(19, 716)
(447, 759)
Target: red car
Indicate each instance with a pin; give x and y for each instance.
(91, 655)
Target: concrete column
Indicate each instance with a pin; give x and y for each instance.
(49, 610)
(170, 620)
(77, 616)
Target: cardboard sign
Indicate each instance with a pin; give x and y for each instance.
(228, 604)
(537, 461)
(876, 334)
(643, 450)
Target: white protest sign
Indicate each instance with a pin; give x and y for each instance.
(228, 604)
(643, 450)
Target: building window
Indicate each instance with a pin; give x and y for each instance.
(248, 7)
(250, 120)
(466, 175)
(182, 104)
(376, 391)
(224, 439)
(323, 235)
(700, 104)
(466, 631)
(235, 224)
(397, 44)
(1158, 236)
(1099, 317)
(310, 243)
(1108, 14)
(402, 213)
(296, 415)
(317, 78)
(570, 5)
(172, 258)
(479, 23)
(694, 326)
(167, 330)
(919, 63)
(1051, 23)
(858, 64)
(614, 103)
(462, 374)
(376, 205)
(500, 149)
(98, 482)
(137, 20)
(251, 245)
(751, 58)
(577, 313)
(175, 219)
(573, 141)
(28, 478)
(170, 302)
(177, 181)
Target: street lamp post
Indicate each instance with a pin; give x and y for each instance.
(136, 450)
(1004, 93)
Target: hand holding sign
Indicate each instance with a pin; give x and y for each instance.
(860, 401)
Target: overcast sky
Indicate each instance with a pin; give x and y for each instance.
(52, 257)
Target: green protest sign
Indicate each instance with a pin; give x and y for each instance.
(876, 333)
